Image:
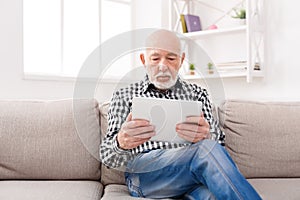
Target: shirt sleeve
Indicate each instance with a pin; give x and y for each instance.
(215, 131)
(111, 154)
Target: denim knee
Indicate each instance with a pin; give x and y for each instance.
(205, 147)
(209, 143)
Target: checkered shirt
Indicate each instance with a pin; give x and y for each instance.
(121, 104)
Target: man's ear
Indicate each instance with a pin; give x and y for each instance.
(182, 57)
(142, 57)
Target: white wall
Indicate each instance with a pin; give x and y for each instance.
(12, 83)
(282, 40)
(282, 57)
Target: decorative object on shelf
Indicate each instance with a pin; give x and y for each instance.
(192, 23)
(192, 69)
(210, 68)
(240, 14)
(212, 27)
(256, 66)
(183, 24)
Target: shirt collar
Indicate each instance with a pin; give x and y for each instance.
(147, 85)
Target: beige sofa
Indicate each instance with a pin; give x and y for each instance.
(263, 139)
(49, 149)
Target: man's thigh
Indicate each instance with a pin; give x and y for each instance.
(171, 158)
(164, 173)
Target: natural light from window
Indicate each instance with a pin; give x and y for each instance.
(59, 35)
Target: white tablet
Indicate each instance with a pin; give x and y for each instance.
(164, 114)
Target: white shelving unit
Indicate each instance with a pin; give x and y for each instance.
(215, 32)
(245, 41)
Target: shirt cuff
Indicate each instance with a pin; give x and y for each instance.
(117, 148)
(212, 134)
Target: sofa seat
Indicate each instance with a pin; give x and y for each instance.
(277, 188)
(117, 192)
(59, 190)
(268, 189)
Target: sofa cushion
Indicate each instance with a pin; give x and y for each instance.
(263, 137)
(108, 176)
(50, 190)
(117, 192)
(49, 139)
(277, 188)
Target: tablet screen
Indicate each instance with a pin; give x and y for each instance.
(164, 114)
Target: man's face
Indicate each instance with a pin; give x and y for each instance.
(162, 67)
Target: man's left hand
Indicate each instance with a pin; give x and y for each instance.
(193, 129)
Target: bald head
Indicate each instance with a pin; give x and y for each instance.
(163, 58)
(165, 40)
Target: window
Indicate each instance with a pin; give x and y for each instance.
(59, 35)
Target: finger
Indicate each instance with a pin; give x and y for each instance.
(128, 139)
(136, 123)
(129, 117)
(191, 136)
(195, 119)
(145, 135)
(202, 135)
(140, 130)
(193, 127)
(130, 142)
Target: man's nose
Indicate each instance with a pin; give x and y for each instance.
(163, 68)
(163, 65)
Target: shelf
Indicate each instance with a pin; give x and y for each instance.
(231, 41)
(214, 32)
(223, 74)
(258, 73)
(215, 75)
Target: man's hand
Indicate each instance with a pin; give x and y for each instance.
(134, 132)
(194, 129)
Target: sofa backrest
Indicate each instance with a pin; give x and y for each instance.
(49, 139)
(108, 175)
(263, 138)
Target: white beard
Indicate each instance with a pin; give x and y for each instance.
(163, 85)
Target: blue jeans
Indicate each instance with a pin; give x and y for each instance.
(200, 171)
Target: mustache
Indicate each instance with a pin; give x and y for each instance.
(167, 73)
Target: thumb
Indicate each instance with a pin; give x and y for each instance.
(129, 117)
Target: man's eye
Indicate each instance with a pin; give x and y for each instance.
(171, 58)
(154, 59)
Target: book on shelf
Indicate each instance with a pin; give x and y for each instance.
(232, 66)
(183, 25)
(192, 23)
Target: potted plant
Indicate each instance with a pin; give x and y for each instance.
(210, 68)
(240, 14)
(192, 69)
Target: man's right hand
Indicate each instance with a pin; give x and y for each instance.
(134, 132)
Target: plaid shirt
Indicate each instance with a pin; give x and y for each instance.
(121, 104)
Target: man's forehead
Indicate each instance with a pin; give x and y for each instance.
(164, 40)
(155, 51)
